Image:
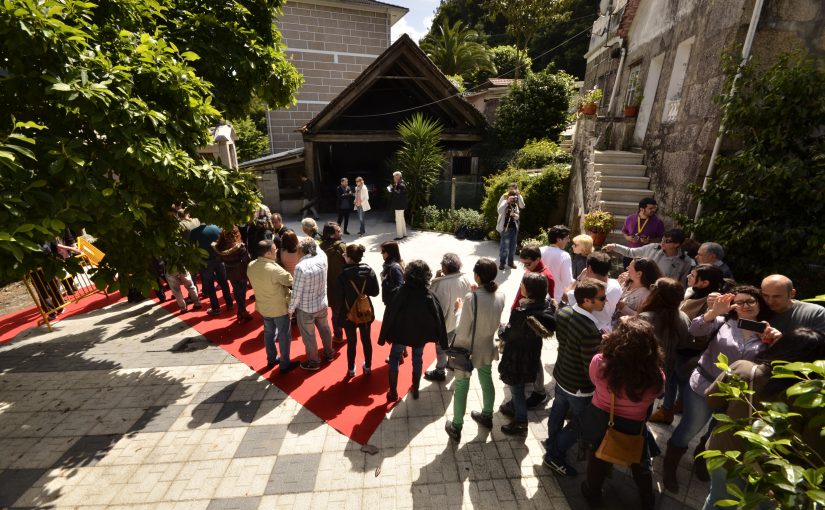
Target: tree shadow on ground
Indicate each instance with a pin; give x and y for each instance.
(62, 411)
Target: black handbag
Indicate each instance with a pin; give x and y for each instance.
(459, 358)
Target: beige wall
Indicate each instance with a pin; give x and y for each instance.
(330, 46)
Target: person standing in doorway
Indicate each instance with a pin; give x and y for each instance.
(346, 198)
(398, 201)
(308, 196)
(362, 203)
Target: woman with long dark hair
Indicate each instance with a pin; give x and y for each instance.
(412, 319)
(801, 345)
(661, 309)
(628, 377)
(477, 321)
(636, 281)
(719, 322)
(289, 252)
(235, 256)
(355, 279)
(392, 273)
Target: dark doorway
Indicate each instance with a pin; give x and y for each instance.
(369, 160)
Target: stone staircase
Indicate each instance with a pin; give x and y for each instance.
(621, 181)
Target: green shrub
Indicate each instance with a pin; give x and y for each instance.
(542, 193)
(446, 220)
(539, 154)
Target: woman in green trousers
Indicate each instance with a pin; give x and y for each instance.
(477, 319)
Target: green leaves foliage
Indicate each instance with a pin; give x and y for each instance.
(455, 49)
(251, 142)
(111, 101)
(781, 460)
(767, 198)
(419, 159)
(535, 108)
(540, 153)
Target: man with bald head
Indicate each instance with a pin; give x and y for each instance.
(789, 314)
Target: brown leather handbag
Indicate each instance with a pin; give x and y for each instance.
(618, 447)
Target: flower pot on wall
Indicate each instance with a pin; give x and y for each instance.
(598, 238)
(631, 111)
(589, 108)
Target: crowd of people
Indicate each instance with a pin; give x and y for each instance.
(653, 333)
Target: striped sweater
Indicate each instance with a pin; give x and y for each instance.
(579, 340)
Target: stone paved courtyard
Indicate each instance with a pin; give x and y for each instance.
(128, 407)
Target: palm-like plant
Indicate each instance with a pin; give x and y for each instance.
(455, 50)
(420, 158)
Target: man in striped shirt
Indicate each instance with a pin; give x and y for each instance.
(579, 340)
(309, 303)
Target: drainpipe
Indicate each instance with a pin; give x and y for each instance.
(746, 55)
(618, 77)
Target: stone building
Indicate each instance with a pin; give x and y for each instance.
(330, 42)
(667, 56)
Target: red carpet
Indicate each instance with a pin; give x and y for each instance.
(15, 323)
(354, 407)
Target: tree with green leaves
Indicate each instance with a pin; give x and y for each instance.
(252, 142)
(535, 108)
(767, 200)
(456, 51)
(104, 106)
(526, 17)
(419, 159)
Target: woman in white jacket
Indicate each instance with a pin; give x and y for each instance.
(362, 202)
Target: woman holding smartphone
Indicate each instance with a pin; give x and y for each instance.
(730, 323)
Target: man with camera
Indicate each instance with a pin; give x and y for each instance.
(509, 211)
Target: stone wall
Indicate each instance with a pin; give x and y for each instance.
(677, 151)
(330, 47)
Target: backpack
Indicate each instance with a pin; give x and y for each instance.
(361, 311)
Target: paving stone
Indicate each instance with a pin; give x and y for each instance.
(293, 474)
(15, 482)
(87, 451)
(235, 504)
(157, 418)
(236, 414)
(261, 441)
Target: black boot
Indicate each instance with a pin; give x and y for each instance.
(392, 395)
(415, 384)
(644, 483)
(671, 463)
(700, 467)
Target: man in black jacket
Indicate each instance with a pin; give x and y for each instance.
(346, 200)
(398, 201)
(308, 195)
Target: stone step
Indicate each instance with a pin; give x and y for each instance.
(622, 181)
(622, 195)
(615, 237)
(619, 207)
(619, 157)
(620, 169)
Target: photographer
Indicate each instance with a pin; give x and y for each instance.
(509, 207)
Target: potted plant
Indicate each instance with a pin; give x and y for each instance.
(631, 109)
(589, 101)
(598, 224)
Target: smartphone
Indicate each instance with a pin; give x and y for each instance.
(759, 327)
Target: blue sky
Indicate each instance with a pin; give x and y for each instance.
(417, 21)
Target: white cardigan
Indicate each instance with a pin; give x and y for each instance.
(365, 199)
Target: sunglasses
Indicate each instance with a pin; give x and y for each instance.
(600, 298)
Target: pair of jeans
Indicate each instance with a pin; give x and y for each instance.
(400, 223)
(507, 248)
(562, 437)
(461, 387)
(343, 215)
(361, 214)
(175, 280)
(366, 342)
(308, 211)
(215, 271)
(440, 355)
(417, 358)
(519, 402)
(307, 322)
(672, 390)
(694, 417)
(277, 327)
(239, 290)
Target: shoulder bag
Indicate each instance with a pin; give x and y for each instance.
(459, 358)
(618, 447)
